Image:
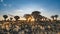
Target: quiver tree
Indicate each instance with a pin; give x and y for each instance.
(5, 17)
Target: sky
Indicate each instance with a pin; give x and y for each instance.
(21, 7)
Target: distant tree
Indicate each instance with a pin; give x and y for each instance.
(11, 18)
(5, 17)
(39, 17)
(43, 17)
(16, 17)
(56, 16)
(35, 14)
(52, 17)
(27, 16)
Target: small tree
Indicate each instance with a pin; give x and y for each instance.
(56, 16)
(52, 17)
(11, 18)
(27, 16)
(35, 14)
(16, 17)
(5, 17)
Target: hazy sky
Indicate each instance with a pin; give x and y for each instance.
(21, 7)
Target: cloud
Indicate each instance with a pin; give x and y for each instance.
(9, 5)
(18, 12)
(5, 4)
(1, 0)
